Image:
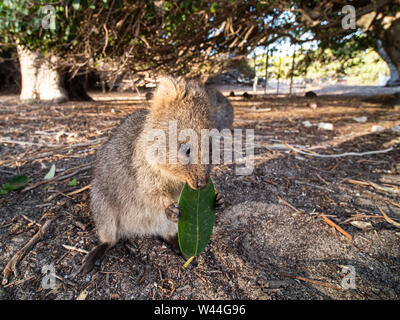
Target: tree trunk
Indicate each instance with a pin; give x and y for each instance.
(390, 39)
(40, 78)
(394, 74)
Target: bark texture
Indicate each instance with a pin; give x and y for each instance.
(40, 78)
(390, 38)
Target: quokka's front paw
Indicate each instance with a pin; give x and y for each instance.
(173, 212)
(219, 201)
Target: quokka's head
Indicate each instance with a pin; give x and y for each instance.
(180, 109)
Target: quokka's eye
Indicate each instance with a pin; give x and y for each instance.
(185, 149)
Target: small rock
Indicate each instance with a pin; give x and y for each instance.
(313, 105)
(361, 119)
(275, 284)
(307, 124)
(377, 128)
(325, 126)
(396, 129)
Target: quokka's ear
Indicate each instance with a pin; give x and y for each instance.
(168, 90)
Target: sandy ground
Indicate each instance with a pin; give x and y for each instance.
(299, 227)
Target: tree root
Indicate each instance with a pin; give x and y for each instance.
(11, 266)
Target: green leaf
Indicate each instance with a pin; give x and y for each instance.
(51, 173)
(214, 7)
(73, 182)
(14, 184)
(197, 219)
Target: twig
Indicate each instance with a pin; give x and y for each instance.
(7, 172)
(18, 282)
(336, 165)
(319, 177)
(360, 216)
(311, 281)
(79, 190)
(71, 174)
(26, 143)
(30, 220)
(394, 203)
(385, 189)
(56, 148)
(288, 204)
(345, 154)
(58, 178)
(75, 249)
(11, 266)
(56, 193)
(332, 224)
(352, 181)
(314, 186)
(374, 185)
(391, 221)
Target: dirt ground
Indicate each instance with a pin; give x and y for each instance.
(288, 231)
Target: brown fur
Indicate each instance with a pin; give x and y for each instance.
(130, 195)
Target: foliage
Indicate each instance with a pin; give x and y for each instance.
(183, 36)
(140, 35)
(14, 184)
(364, 67)
(73, 183)
(241, 65)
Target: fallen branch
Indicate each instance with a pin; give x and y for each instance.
(345, 154)
(334, 225)
(11, 266)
